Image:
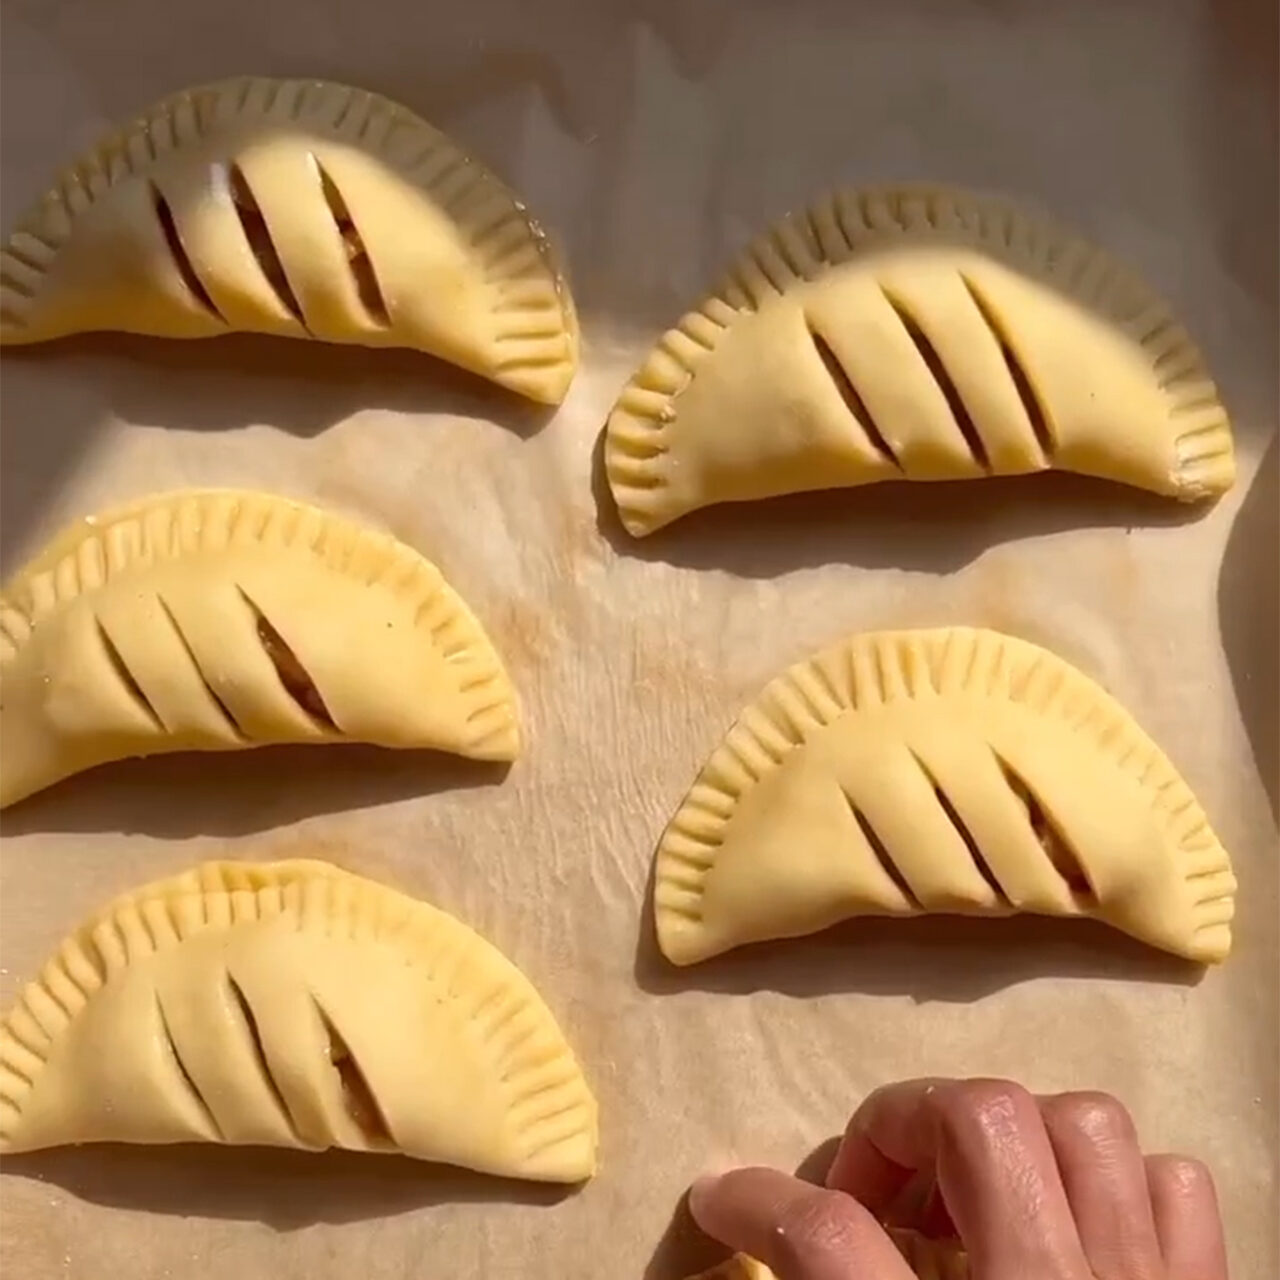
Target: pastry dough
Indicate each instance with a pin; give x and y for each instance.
(739, 1267)
(938, 771)
(300, 208)
(292, 1004)
(914, 333)
(216, 620)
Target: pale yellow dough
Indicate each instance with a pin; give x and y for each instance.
(955, 770)
(215, 620)
(300, 208)
(293, 1004)
(928, 1259)
(915, 333)
(739, 1267)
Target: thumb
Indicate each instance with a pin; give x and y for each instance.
(799, 1231)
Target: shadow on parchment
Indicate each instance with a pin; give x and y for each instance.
(935, 527)
(285, 1190)
(1241, 85)
(683, 1249)
(956, 959)
(213, 384)
(1249, 615)
(237, 793)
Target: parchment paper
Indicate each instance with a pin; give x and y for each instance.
(653, 139)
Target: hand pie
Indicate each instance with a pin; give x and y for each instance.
(956, 771)
(292, 1004)
(919, 334)
(300, 208)
(928, 1259)
(216, 620)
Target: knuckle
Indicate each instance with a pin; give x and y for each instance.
(825, 1224)
(982, 1104)
(1098, 1116)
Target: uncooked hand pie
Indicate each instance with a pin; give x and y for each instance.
(292, 1004)
(919, 334)
(954, 770)
(213, 620)
(300, 208)
(928, 1259)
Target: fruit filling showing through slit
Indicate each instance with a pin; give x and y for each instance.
(858, 410)
(293, 674)
(177, 251)
(126, 677)
(358, 259)
(1063, 857)
(258, 234)
(942, 377)
(1031, 405)
(357, 1096)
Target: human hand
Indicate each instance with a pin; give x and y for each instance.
(1035, 1188)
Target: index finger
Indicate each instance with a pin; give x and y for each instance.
(865, 1171)
(986, 1144)
(799, 1231)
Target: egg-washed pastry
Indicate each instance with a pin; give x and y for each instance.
(955, 770)
(915, 333)
(292, 1004)
(928, 1259)
(300, 208)
(215, 620)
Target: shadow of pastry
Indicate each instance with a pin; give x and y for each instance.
(935, 527)
(75, 385)
(303, 387)
(286, 1190)
(1249, 614)
(238, 793)
(955, 959)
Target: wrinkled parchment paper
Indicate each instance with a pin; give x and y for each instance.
(653, 139)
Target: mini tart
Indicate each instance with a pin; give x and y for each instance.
(915, 333)
(957, 770)
(292, 1004)
(300, 208)
(216, 620)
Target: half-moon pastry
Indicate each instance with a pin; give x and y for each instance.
(915, 333)
(956, 770)
(300, 208)
(292, 1004)
(215, 620)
